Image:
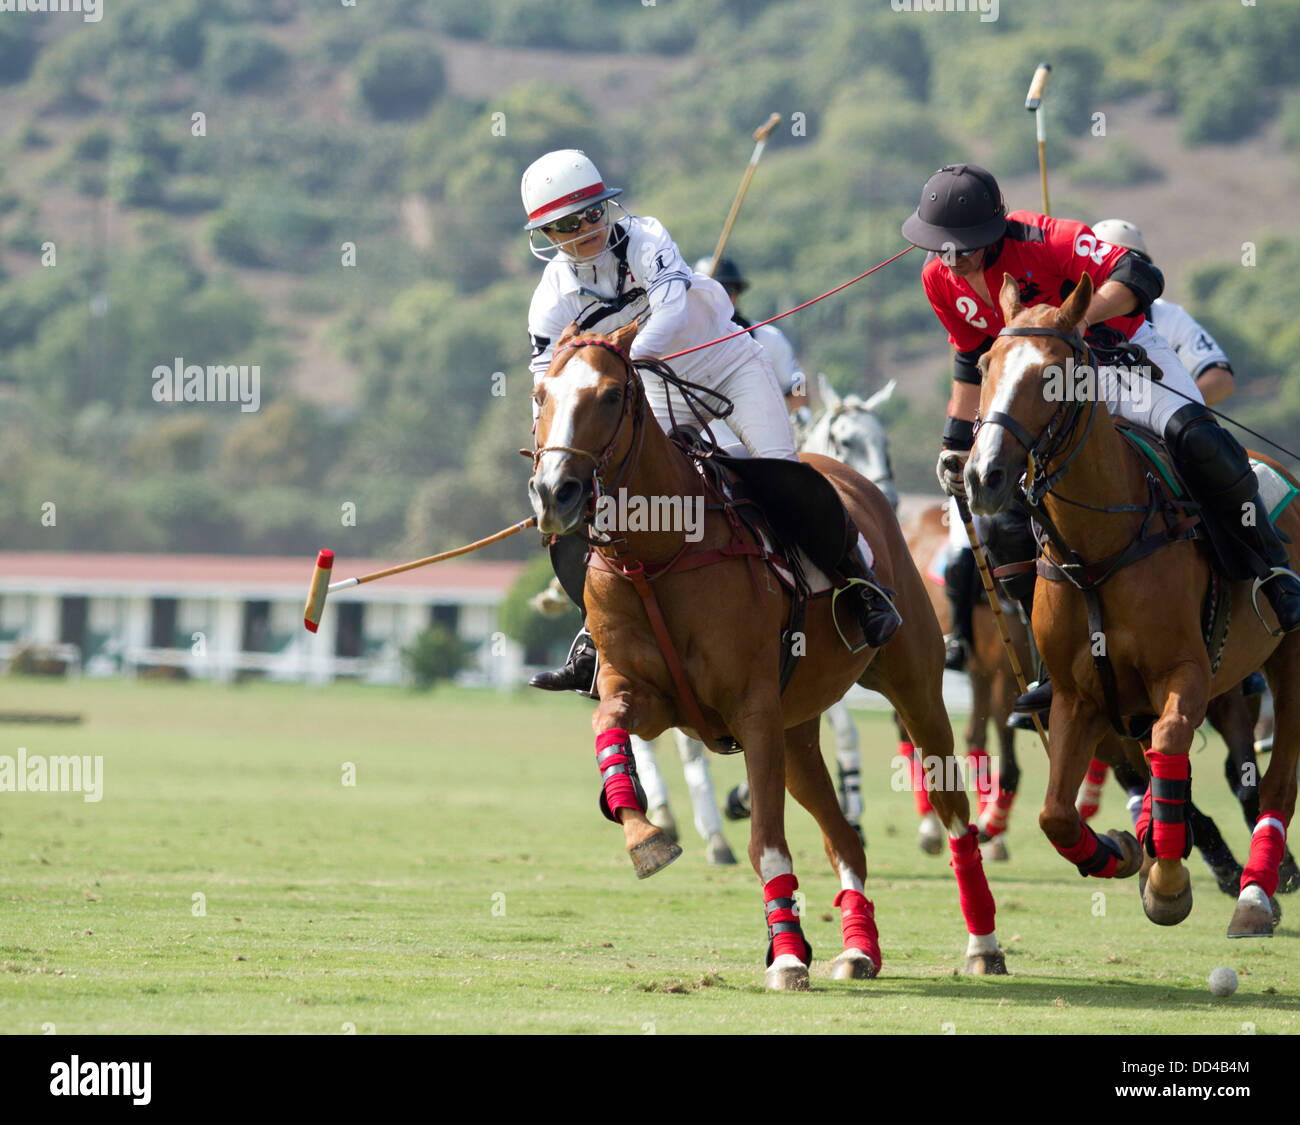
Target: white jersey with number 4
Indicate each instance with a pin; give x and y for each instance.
(1195, 347)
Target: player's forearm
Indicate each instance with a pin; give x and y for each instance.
(1216, 383)
(1114, 298)
(965, 401)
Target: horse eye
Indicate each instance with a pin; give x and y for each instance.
(612, 396)
(539, 396)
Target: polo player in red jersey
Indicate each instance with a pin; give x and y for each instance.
(962, 218)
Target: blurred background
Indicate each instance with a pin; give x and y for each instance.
(331, 193)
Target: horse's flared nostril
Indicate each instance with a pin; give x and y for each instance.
(994, 479)
(567, 494)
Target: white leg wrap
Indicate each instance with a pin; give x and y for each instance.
(647, 768)
(987, 943)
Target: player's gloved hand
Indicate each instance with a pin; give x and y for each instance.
(952, 464)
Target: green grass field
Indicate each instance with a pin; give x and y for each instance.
(467, 883)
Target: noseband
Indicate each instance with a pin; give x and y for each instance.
(1060, 427)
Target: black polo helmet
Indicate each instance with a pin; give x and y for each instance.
(961, 206)
(727, 273)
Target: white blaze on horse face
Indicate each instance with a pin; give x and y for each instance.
(773, 863)
(1015, 369)
(564, 391)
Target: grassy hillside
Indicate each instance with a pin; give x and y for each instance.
(331, 193)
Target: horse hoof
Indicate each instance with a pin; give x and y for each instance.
(718, 852)
(1131, 864)
(661, 816)
(737, 806)
(1253, 916)
(787, 974)
(987, 964)
(853, 964)
(1227, 876)
(653, 855)
(995, 850)
(1275, 909)
(1288, 875)
(1167, 910)
(929, 837)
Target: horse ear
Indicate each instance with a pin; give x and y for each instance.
(1076, 304)
(568, 334)
(827, 392)
(882, 396)
(622, 339)
(1009, 299)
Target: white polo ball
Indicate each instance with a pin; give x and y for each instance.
(1223, 982)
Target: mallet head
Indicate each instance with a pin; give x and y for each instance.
(320, 581)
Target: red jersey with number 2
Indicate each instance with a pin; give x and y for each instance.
(1046, 257)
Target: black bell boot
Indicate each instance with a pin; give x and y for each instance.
(1217, 471)
(578, 673)
(958, 578)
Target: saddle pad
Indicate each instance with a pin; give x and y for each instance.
(817, 581)
(1274, 489)
(938, 564)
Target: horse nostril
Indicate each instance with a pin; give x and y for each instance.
(568, 493)
(993, 479)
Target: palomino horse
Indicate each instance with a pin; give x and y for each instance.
(703, 651)
(993, 691)
(1148, 643)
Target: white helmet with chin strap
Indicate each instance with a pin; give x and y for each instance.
(558, 185)
(1120, 232)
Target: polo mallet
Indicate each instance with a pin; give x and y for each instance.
(981, 560)
(1034, 103)
(322, 586)
(760, 136)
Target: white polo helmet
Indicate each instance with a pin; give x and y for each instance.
(561, 183)
(1120, 232)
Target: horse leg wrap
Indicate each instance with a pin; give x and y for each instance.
(972, 887)
(1267, 844)
(919, 794)
(977, 767)
(1093, 855)
(993, 820)
(784, 934)
(858, 924)
(1089, 800)
(621, 789)
(1170, 836)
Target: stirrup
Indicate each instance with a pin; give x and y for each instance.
(1258, 584)
(582, 641)
(881, 591)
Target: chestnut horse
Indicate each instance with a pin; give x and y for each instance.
(1150, 613)
(722, 616)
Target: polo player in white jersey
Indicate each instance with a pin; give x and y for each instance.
(605, 271)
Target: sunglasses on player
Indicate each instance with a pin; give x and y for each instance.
(570, 223)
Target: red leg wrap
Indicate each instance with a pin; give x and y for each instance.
(858, 924)
(977, 768)
(972, 887)
(783, 920)
(1090, 793)
(618, 772)
(1171, 789)
(919, 794)
(1143, 826)
(1093, 855)
(1267, 843)
(994, 818)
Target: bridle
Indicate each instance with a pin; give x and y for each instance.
(1060, 428)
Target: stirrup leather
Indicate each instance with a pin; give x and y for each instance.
(1258, 584)
(849, 584)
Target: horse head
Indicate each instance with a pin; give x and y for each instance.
(588, 405)
(850, 431)
(1026, 407)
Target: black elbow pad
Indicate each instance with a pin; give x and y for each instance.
(1142, 276)
(965, 365)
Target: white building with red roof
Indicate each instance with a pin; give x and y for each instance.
(226, 616)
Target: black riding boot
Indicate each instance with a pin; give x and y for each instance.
(1038, 699)
(870, 601)
(1216, 470)
(569, 558)
(958, 580)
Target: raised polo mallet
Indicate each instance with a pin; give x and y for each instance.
(321, 586)
(760, 136)
(1034, 103)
